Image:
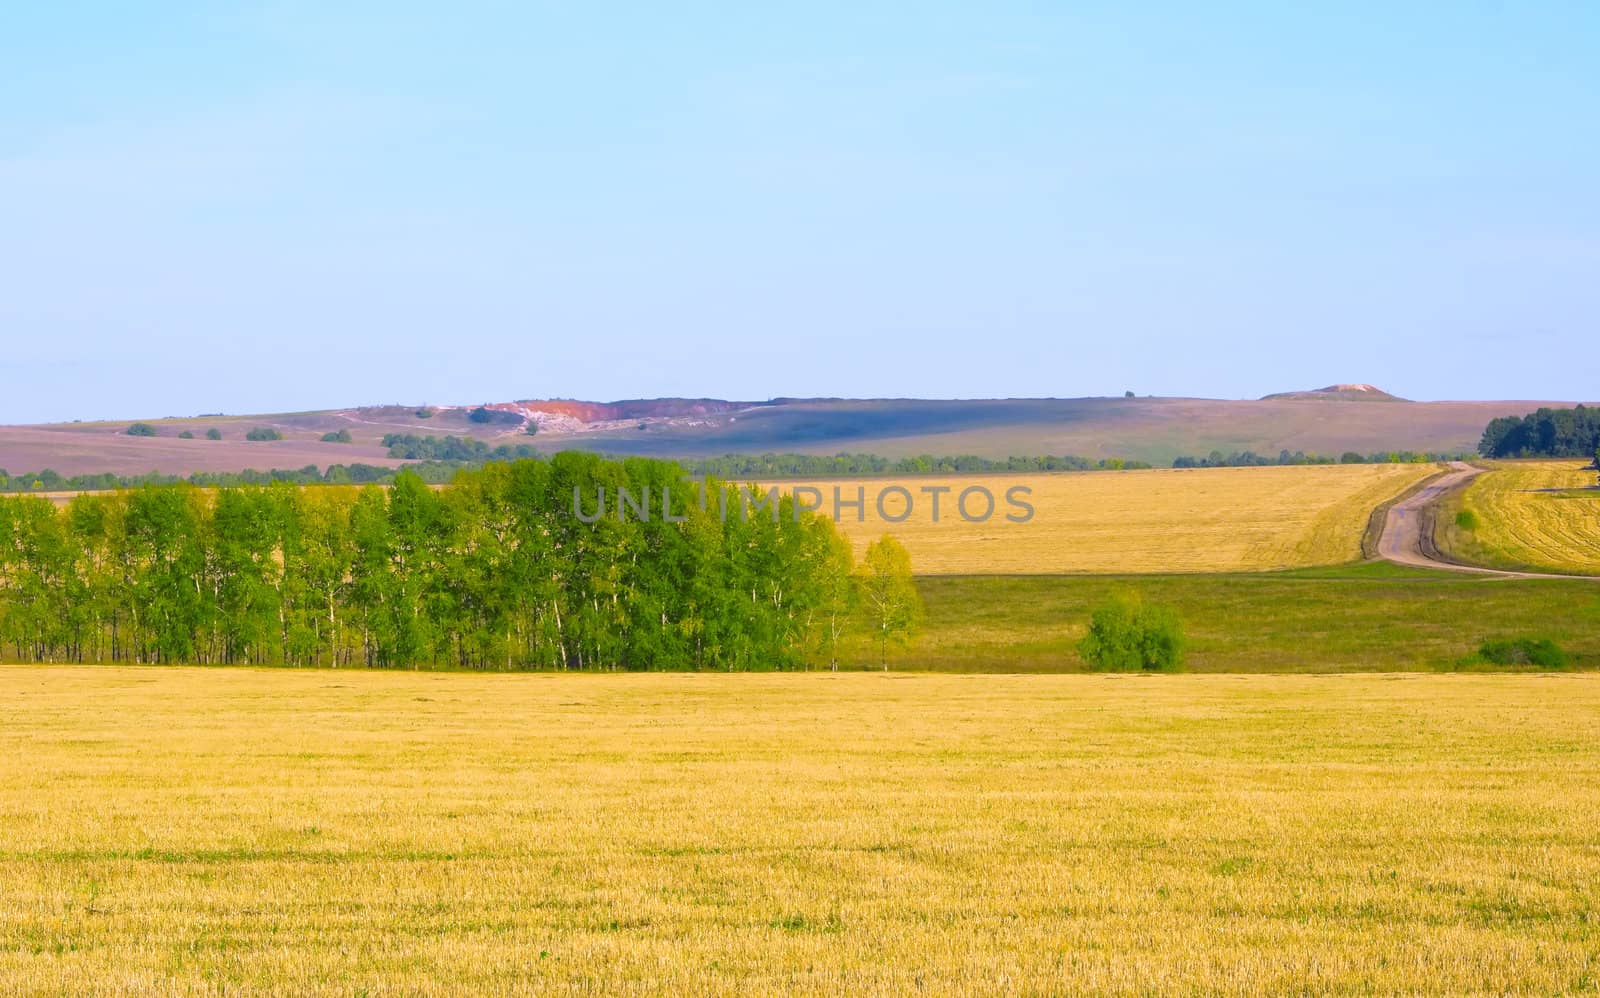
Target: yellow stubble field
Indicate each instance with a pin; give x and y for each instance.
(1543, 515)
(235, 831)
(1166, 520)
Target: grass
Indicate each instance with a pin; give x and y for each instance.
(1353, 618)
(1533, 515)
(1199, 520)
(248, 832)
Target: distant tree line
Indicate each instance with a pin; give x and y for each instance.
(763, 466)
(408, 447)
(47, 480)
(258, 433)
(1544, 433)
(766, 466)
(494, 571)
(437, 459)
(1250, 459)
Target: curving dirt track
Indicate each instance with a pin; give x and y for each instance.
(1403, 540)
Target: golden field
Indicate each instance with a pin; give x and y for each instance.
(1524, 522)
(246, 832)
(1165, 520)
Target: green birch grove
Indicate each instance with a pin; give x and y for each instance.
(495, 571)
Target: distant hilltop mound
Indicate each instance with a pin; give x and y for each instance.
(1339, 393)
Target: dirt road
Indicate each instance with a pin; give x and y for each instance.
(1403, 542)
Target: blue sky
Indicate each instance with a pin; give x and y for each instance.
(252, 207)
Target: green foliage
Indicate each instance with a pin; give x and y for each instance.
(744, 467)
(424, 413)
(1466, 519)
(485, 416)
(1127, 635)
(888, 594)
(1544, 433)
(337, 437)
(407, 447)
(140, 430)
(213, 434)
(493, 571)
(837, 598)
(532, 429)
(1250, 459)
(433, 472)
(186, 435)
(442, 457)
(1541, 652)
(263, 433)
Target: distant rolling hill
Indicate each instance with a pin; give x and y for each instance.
(1326, 421)
(1343, 393)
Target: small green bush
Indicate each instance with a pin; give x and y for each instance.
(481, 415)
(141, 430)
(1542, 652)
(337, 437)
(263, 433)
(1126, 635)
(213, 434)
(186, 435)
(1467, 520)
(424, 413)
